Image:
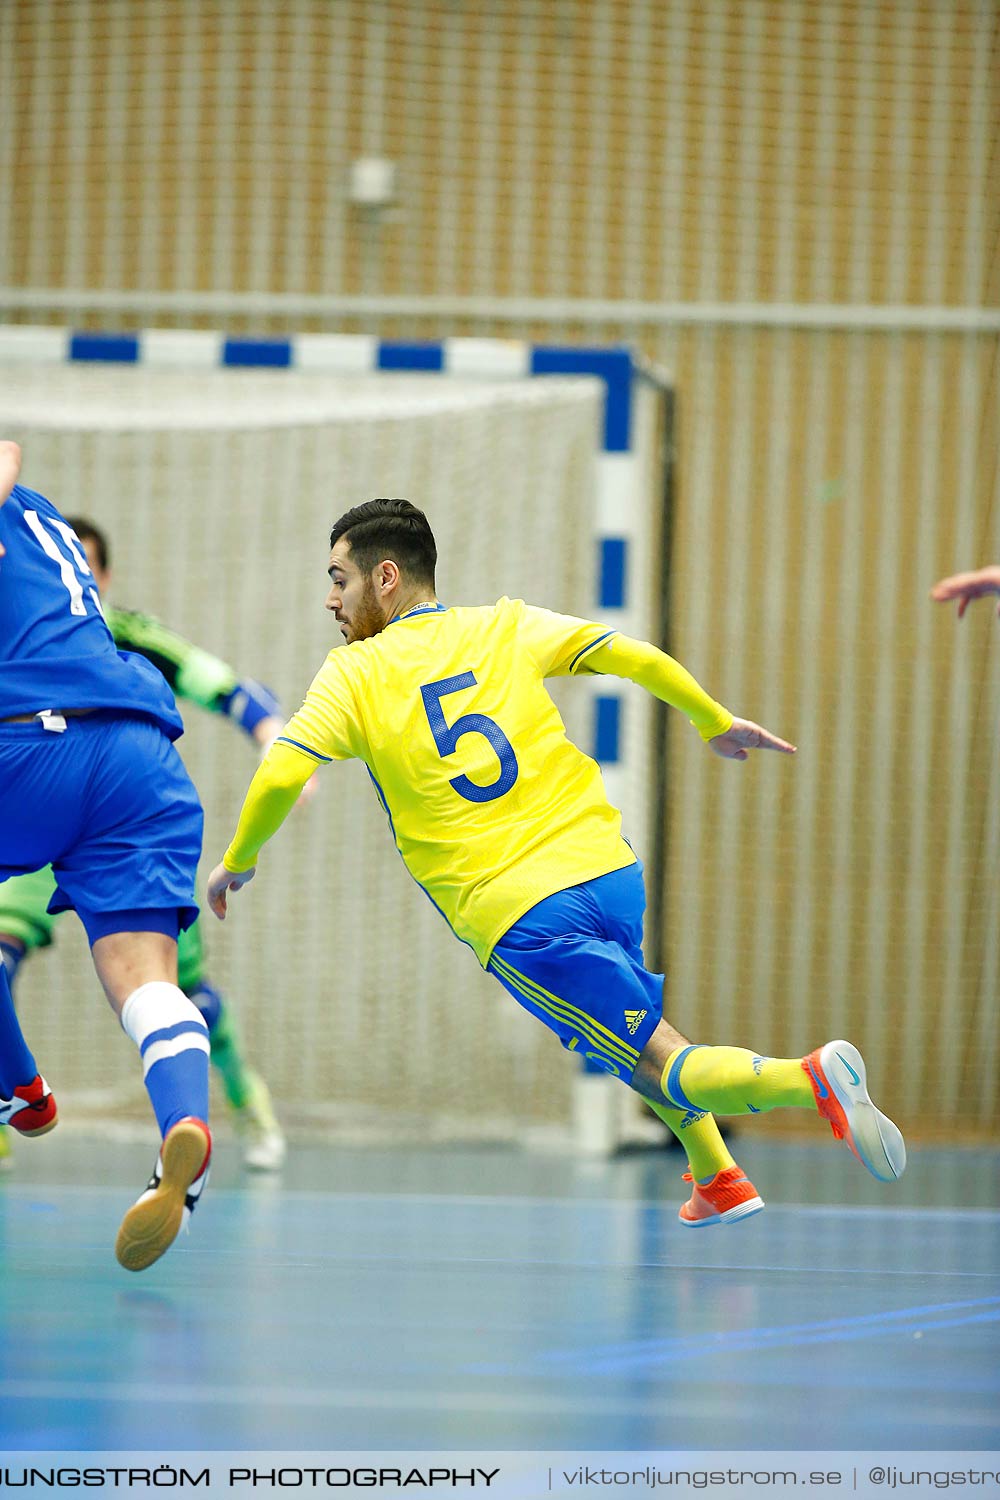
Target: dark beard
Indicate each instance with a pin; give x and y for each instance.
(367, 620)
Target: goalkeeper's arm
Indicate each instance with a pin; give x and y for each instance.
(659, 674)
(198, 676)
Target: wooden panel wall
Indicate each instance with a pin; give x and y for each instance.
(831, 150)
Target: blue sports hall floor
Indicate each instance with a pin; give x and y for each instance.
(452, 1298)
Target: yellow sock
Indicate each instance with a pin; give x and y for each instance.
(733, 1081)
(699, 1135)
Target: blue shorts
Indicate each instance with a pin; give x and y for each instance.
(575, 961)
(107, 802)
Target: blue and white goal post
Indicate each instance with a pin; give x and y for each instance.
(622, 504)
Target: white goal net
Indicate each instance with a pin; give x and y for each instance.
(217, 490)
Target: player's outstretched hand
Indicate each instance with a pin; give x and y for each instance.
(742, 737)
(221, 882)
(968, 586)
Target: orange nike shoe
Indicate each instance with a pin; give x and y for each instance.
(839, 1083)
(729, 1196)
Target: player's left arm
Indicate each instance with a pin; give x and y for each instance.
(272, 794)
(10, 468)
(666, 679)
(325, 728)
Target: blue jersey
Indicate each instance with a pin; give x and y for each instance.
(56, 650)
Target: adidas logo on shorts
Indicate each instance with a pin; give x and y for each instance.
(633, 1020)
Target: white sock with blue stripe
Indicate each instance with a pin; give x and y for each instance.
(172, 1039)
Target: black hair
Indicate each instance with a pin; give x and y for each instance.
(88, 532)
(389, 529)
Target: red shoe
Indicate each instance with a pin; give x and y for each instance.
(32, 1111)
(840, 1085)
(728, 1197)
(181, 1171)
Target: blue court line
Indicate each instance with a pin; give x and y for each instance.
(732, 1345)
(647, 1353)
(893, 1314)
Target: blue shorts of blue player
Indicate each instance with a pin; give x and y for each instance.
(575, 961)
(108, 802)
(103, 796)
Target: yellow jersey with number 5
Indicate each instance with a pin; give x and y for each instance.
(491, 805)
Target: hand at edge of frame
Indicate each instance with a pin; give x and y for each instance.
(968, 586)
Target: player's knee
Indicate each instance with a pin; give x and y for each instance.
(209, 1001)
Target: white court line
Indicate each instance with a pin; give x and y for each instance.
(35, 1191)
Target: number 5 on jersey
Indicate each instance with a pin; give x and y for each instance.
(447, 736)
